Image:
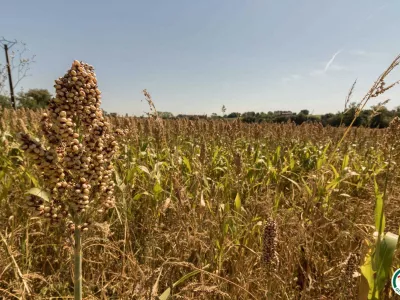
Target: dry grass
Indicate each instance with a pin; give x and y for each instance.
(176, 213)
(210, 210)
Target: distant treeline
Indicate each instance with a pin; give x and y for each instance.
(32, 99)
(376, 117)
(373, 118)
(366, 118)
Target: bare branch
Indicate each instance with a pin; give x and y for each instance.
(20, 64)
(3, 77)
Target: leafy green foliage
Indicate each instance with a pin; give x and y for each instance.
(5, 101)
(34, 98)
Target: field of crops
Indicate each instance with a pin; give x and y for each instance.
(109, 207)
(209, 210)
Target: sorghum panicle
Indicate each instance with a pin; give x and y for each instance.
(351, 267)
(77, 164)
(270, 256)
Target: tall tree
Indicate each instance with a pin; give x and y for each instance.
(165, 114)
(305, 112)
(223, 109)
(5, 101)
(34, 98)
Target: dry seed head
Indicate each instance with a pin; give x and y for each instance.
(238, 163)
(75, 161)
(350, 270)
(270, 256)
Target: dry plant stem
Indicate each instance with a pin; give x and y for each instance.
(26, 287)
(376, 90)
(78, 263)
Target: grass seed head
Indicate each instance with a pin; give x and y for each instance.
(78, 161)
(269, 255)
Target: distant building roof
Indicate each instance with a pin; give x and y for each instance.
(283, 112)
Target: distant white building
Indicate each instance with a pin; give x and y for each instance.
(283, 113)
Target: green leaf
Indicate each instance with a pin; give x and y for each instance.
(386, 251)
(308, 189)
(334, 171)
(167, 293)
(137, 197)
(332, 185)
(345, 162)
(39, 193)
(225, 228)
(157, 189)
(277, 154)
(292, 162)
(378, 264)
(238, 203)
(320, 161)
(32, 178)
(379, 215)
(368, 273)
(187, 164)
(129, 175)
(215, 155)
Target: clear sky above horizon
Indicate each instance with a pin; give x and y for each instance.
(195, 56)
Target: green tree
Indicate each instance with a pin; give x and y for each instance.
(300, 118)
(305, 112)
(223, 109)
(165, 114)
(249, 117)
(233, 115)
(34, 98)
(381, 118)
(5, 101)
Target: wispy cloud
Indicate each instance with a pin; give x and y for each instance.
(332, 68)
(330, 62)
(331, 65)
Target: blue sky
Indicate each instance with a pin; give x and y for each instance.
(195, 56)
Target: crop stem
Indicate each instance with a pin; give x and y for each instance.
(78, 263)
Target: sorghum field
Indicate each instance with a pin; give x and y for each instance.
(209, 209)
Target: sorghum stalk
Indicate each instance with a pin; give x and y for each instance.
(78, 263)
(76, 163)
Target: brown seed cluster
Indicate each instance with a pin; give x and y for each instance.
(238, 163)
(46, 161)
(392, 137)
(270, 256)
(350, 269)
(55, 213)
(77, 166)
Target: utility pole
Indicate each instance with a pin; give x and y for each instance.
(10, 77)
(6, 45)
